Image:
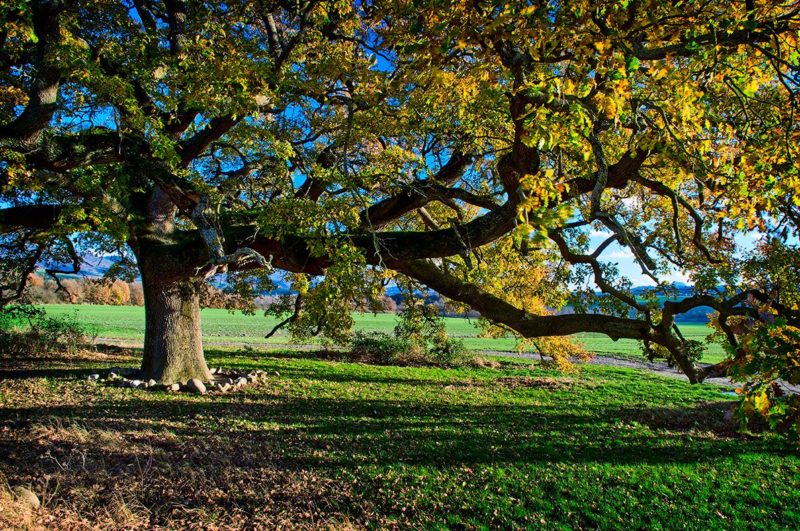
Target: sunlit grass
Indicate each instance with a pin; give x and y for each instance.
(221, 327)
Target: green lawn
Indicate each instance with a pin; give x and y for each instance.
(223, 327)
(323, 444)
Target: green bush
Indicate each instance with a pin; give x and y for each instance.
(27, 331)
(449, 352)
(17, 316)
(380, 348)
(383, 349)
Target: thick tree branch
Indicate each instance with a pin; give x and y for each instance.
(35, 217)
(43, 94)
(383, 212)
(191, 148)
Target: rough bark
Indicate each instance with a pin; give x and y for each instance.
(173, 341)
(173, 345)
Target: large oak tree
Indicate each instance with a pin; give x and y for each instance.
(471, 147)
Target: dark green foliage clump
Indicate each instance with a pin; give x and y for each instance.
(381, 348)
(27, 330)
(420, 338)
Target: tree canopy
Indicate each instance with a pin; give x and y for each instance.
(469, 147)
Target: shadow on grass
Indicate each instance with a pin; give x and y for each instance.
(263, 351)
(76, 365)
(340, 433)
(18, 374)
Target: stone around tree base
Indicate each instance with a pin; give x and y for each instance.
(222, 381)
(124, 372)
(26, 497)
(196, 386)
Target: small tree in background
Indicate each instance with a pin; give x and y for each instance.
(136, 294)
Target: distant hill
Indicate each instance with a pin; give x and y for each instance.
(681, 289)
(92, 266)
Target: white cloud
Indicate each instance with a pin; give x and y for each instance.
(641, 280)
(620, 254)
(599, 234)
(675, 276)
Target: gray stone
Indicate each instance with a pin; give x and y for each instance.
(151, 383)
(241, 381)
(26, 497)
(213, 370)
(94, 377)
(224, 387)
(173, 387)
(729, 415)
(196, 386)
(123, 371)
(135, 384)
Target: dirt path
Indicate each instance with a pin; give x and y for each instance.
(658, 367)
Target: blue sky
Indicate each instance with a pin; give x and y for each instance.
(628, 267)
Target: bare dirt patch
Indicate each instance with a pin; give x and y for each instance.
(100, 355)
(548, 384)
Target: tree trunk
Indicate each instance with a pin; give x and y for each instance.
(173, 343)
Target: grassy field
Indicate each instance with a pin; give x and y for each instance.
(221, 327)
(322, 444)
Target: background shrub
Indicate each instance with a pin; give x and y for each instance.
(26, 330)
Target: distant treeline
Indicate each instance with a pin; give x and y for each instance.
(45, 290)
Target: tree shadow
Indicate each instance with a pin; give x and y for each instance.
(272, 450)
(19, 374)
(264, 351)
(341, 433)
(57, 365)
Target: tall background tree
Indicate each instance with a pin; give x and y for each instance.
(468, 147)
